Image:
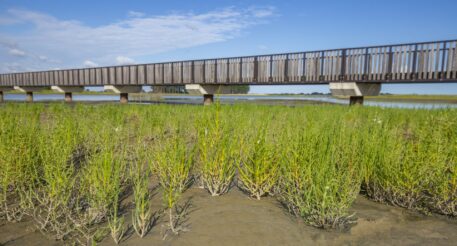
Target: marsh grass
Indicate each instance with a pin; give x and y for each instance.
(173, 165)
(319, 181)
(259, 171)
(142, 217)
(51, 198)
(116, 221)
(71, 168)
(18, 162)
(411, 164)
(217, 153)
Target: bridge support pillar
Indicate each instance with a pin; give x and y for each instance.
(29, 90)
(124, 97)
(208, 99)
(29, 96)
(355, 100)
(68, 90)
(2, 90)
(68, 97)
(207, 91)
(123, 91)
(355, 91)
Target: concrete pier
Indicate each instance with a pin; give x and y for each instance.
(207, 91)
(355, 90)
(29, 96)
(2, 90)
(355, 100)
(124, 98)
(68, 90)
(123, 91)
(208, 99)
(29, 90)
(68, 97)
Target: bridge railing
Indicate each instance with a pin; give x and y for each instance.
(413, 62)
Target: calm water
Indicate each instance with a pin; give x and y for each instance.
(230, 99)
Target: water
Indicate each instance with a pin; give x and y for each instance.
(231, 99)
(329, 99)
(60, 97)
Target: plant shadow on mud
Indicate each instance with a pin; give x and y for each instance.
(181, 218)
(127, 207)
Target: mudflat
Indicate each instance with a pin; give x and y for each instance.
(236, 219)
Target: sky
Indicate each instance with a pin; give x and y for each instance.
(51, 34)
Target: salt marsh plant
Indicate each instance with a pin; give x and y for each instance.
(258, 173)
(52, 196)
(142, 217)
(71, 168)
(217, 153)
(443, 190)
(104, 179)
(318, 183)
(439, 154)
(18, 161)
(412, 164)
(116, 221)
(172, 164)
(396, 177)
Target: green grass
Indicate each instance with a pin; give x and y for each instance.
(72, 169)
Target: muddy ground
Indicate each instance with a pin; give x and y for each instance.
(235, 219)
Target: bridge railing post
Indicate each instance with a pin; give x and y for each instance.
(343, 65)
(241, 70)
(256, 70)
(414, 68)
(321, 75)
(366, 71)
(286, 69)
(303, 77)
(228, 71)
(389, 65)
(443, 61)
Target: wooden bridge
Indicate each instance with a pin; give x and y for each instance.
(429, 62)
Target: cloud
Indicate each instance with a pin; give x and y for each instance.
(123, 60)
(69, 43)
(11, 67)
(17, 52)
(135, 14)
(262, 47)
(263, 12)
(88, 63)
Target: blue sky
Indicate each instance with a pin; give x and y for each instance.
(38, 35)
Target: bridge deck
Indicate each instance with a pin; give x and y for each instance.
(402, 63)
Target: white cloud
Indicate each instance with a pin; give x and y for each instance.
(135, 14)
(68, 43)
(17, 52)
(123, 60)
(88, 63)
(262, 47)
(263, 12)
(11, 67)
